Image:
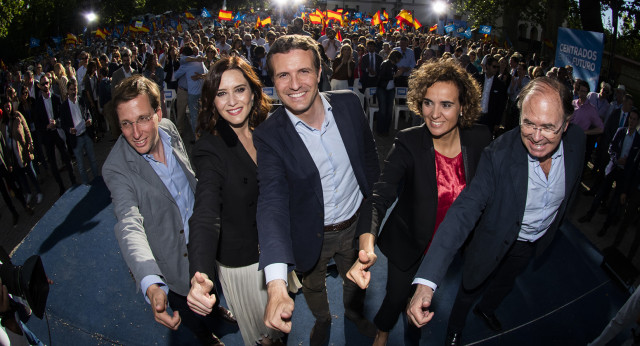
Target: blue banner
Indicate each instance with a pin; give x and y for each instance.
(449, 28)
(485, 29)
(205, 13)
(582, 50)
(34, 42)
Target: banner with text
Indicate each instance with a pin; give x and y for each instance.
(582, 50)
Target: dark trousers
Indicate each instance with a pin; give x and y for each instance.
(54, 141)
(385, 113)
(495, 288)
(616, 175)
(6, 177)
(399, 290)
(338, 245)
(201, 326)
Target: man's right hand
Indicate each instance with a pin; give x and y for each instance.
(199, 299)
(418, 310)
(359, 272)
(280, 306)
(158, 300)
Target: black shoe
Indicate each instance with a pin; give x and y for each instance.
(226, 315)
(320, 333)
(365, 327)
(453, 338)
(585, 218)
(489, 319)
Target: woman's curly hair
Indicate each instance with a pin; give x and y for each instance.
(209, 116)
(446, 71)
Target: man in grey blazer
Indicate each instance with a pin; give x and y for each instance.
(152, 188)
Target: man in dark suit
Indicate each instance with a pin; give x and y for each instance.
(249, 49)
(317, 161)
(370, 66)
(78, 126)
(494, 95)
(46, 114)
(623, 148)
(523, 186)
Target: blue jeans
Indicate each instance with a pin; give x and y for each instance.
(194, 108)
(85, 144)
(385, 114)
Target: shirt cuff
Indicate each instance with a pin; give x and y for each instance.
(275, 271)
(425, 282)
(151, 280)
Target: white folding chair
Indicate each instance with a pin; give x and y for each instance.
(372, 104)
(401, 94)
(169, 98)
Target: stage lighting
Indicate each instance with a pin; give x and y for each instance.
(439, 7)
(91, 17)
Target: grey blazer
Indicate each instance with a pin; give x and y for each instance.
(149, 228)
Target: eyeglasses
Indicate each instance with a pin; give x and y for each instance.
(142, 121)
(545, 130)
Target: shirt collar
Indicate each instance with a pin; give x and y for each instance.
(328, 115)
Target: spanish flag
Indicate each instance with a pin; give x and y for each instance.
(101, 34)
(315, 19)
(225, 15)
(258, 22)
(71, 39)
(144, 28)
(266, 21)
(189, 15)
(376, 19)
(335, 16)
(320, 13)
(339, 36)
(433, 28)
(416, 24)
(405, 17)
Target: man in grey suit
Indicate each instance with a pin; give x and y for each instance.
(152, 184)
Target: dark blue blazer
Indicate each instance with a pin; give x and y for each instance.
(615, 150)
(495, 202)
(290, 205)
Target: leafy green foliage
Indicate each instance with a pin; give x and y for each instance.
(9, 10)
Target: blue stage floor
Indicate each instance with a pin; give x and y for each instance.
(564, 298)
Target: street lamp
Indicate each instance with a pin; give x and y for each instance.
(439, 7)
(91, 16)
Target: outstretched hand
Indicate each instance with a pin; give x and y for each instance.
(200, 300)
(418, 309)
(279, 310)
(359, 272)
(158, 300)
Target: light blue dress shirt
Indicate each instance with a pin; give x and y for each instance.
(340, 189)
(188, 69)
(408, 59)
(544, 197)
(177, 183)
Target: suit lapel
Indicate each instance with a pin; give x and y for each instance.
(519, 174)
(299, 152)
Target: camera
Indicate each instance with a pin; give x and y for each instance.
(28, 281)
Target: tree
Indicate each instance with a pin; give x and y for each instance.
(9, 10)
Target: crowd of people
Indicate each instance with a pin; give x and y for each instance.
(263, 203)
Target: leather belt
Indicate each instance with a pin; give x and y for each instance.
(341, 226)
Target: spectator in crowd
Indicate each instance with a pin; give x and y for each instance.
(20, 154)
(193, 72)
(343, 69)
(386, 91)
(77, 123)
(60, 81)
(46, 117)
(331, 45)
(600, 100)
(494, 95)
(406, 63)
